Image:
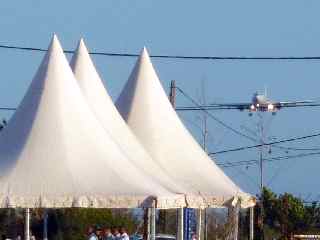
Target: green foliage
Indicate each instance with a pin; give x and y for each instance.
(284, 215)
(291, 214)
(167, 221)
(65, 224)
(270, 207)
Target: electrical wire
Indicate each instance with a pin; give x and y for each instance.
(182, 57)
(272, 159)
(8, 108)
(266, 144)
(299, 149)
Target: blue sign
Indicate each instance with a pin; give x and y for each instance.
(188, 213)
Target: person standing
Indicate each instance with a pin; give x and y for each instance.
(91, 235)
(124, 234)
(107, 235)
(116, 234)
(99, 233)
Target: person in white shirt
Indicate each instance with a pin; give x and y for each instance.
(116, 234)
(107, 235)
(124, 234)
(91, 234)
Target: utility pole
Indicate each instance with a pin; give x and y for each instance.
(172, 94)
(180, 215)
(261, 149)
(200, 215)
(204, 146)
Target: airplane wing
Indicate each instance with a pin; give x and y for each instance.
(305, 103)
(217, 106)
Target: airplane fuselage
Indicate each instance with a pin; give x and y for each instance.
(260, 99)
(261, 103)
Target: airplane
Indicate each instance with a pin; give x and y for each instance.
(259, 103)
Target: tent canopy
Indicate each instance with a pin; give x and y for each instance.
(102, 106)
(54, 153)
(145, 107)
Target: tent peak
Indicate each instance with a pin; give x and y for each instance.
(81, 48)
(54, 38)
(144, 52)
(81, 43)
(144, 60)
(81, 60)
(55, 45)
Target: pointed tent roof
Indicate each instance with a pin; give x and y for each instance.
(54, 153)
(147, 110)
(105, 111)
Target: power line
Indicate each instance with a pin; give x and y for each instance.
(7, 109)
(266, 144)
(299, 149)
(182, 57)
(255, 161)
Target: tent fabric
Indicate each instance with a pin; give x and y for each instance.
(105, 111)
(54, 153)
(146, 109)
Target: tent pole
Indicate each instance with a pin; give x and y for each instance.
(153, 222)
(180, 224)
(205, 213)
(27, 224)
(146, 224)
(45, 225)
(236, 222)
(199, 223)
(251, 222)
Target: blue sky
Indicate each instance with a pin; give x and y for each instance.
(218, 28)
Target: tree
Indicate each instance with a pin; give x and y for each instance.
(291, 214)
(284, 215)
(167, 221)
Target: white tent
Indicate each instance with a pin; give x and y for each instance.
(54, 153)
(145, 107)
(102, 105)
